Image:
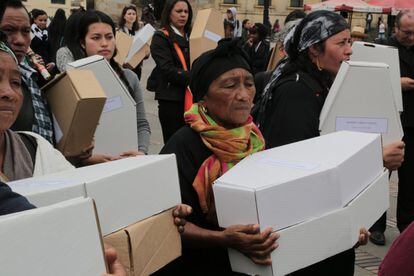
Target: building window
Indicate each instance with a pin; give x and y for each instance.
(261, 2)
(58, 1)
(229, 1)
(296, 3)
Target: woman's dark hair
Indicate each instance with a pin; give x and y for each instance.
(296, 14)
(71, 35)
(168, 7)
(260, 29)
(91, 17)
(244, 22)
(35, 13)
(122, 20)
(56, 31)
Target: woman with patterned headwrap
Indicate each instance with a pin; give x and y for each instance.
(219, 132)
(294, 97)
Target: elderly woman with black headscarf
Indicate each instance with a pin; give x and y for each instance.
(219, 132)
(293, 99)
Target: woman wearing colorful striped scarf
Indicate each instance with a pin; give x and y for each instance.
(219, 132)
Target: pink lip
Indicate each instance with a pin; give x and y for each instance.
(104, 52)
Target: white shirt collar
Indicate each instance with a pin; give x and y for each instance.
(175, 30)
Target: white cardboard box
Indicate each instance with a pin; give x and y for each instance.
(132, 50)
(361, 99)
(370, 52)
(286, 185)
(117, 128)
(143, 37)
(125, 191)
(62, 239)
(314, 240)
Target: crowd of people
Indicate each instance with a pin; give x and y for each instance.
(214, 112)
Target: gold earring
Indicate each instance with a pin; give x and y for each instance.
(318, 64)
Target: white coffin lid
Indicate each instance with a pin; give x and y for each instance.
(307, 178)
(370, 52)
(289, 162)
(125, 191)
(361, 99)
(61, 239)
(117, 128)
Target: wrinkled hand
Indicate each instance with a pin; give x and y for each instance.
(248, 240)
(99, 158)
(363, 237)
(393, 155)
(114, 265)
(131, 153)
(180, 212)
(407, 84)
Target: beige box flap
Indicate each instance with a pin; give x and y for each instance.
(206, 32)
(148, 245)
(123, 44)
(86, 84)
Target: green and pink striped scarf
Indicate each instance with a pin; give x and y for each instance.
(229, 146)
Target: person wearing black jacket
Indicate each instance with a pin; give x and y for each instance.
(404, 42)
(172, 79)
(40, 42)
(319, 44)
(258, 48)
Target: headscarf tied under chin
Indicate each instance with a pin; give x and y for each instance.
(209, 66)
(229, 146)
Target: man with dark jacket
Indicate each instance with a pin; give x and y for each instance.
(404, 41)
(34, 114)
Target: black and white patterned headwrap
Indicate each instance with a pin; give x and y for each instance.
(316, 27)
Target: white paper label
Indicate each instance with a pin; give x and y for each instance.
(58, 130)
(212, 36)
(112, 104)
(361, 124)
(289, 164)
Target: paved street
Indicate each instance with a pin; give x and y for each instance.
(368, 257)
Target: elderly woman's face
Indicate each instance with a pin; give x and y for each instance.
(11, 97)
(230, 98)
(337, 49)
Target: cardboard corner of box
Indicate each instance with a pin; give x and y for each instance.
(148, 245)
(83, 97)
